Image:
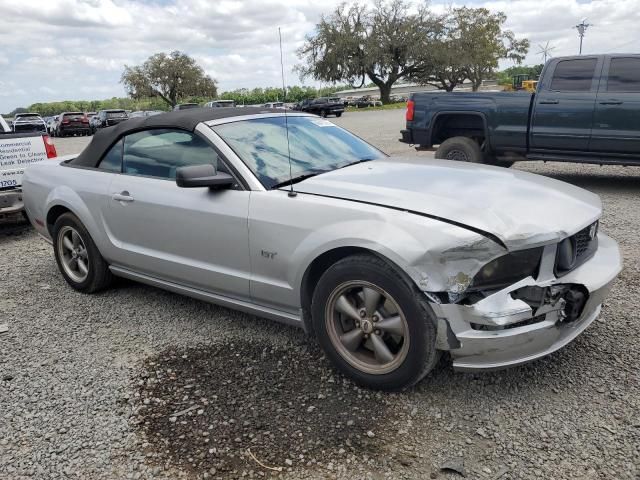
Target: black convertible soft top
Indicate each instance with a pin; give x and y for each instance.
(181, 119)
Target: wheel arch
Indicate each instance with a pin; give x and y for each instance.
(53, 214)
(446, 124)
(63, 199)
(323, 262)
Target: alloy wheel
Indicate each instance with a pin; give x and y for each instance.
(367, 327)
(73, 254)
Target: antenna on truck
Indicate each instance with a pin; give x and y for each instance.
(286, 121)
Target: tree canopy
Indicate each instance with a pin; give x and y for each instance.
(391, 42)
(383, 43)
(171, 77)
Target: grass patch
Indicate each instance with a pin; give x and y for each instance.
(389, 106)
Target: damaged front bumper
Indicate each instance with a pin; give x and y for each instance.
(501, 331)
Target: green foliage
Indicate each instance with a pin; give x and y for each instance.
(173, 78)
(54, 108)
(244, 96)
(240, 96)
(384, 43)
(469, 45)
(505, 76)
(390, 42)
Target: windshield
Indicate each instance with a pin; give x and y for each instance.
(28, 118)
(116, 113)
(317, 146)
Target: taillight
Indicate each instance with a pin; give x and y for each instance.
(410, 110)
(49, 147)
(65, 121)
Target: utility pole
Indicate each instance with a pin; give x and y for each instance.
(582, 28)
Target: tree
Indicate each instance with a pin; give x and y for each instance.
(171, 77)
(486, 42)
(468, 45)
(385, 44)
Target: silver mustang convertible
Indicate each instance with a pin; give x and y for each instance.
(387, 261)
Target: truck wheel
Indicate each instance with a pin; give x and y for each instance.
(374, 327)
(323, 113)
(78, 258)
(462, 149)
(339, 114)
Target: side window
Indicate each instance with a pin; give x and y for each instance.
(159, 152)
(574, 75)
(112, 161)
(624, 75)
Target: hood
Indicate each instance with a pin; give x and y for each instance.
(519, 208)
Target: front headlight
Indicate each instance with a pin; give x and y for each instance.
(508, 269)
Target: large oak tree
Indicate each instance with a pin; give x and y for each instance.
(385, 44)
(469, 46)
(171, 77)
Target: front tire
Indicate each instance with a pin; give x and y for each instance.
(338, 115)
(77, 256)
(373, 325)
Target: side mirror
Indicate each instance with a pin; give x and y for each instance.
(203, 176)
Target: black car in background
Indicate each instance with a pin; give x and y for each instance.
(72, 123)
(322, 106)
(107, 118)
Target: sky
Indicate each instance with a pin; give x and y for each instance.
(76, 49)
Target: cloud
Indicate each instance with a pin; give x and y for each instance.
(77, 49)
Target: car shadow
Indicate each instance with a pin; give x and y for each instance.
(8, 229)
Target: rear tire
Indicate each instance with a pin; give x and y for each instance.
(339, 114)
(351, 302)
(78, 258)
(461, 149)
(323, 113)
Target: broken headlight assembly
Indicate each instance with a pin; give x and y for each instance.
(507, 269)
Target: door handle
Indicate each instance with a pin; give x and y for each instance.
(549, 102)
(611, 102)
(122, 197)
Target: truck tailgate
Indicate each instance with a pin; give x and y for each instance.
(16, 152)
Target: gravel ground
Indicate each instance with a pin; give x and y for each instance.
(140, 383)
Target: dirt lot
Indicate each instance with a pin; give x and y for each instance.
(140, 383)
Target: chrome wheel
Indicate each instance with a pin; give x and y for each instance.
(367, 327)
(73, 254)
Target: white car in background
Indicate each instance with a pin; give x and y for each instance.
(276, 105)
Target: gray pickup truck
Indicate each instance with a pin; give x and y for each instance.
(586, 109)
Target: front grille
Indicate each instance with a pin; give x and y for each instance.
(584, 244)
(583, 240)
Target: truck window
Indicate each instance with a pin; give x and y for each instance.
(574, 75)
(624, 75)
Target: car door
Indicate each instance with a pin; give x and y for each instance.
(564, 105)
(616, 125)
(193, 236)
